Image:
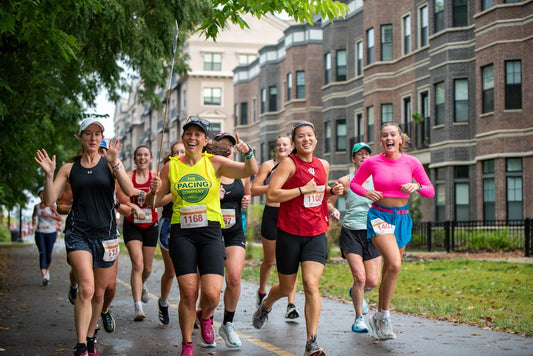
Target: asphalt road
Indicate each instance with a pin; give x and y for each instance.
(36, 320)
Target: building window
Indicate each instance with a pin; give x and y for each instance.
(289, 86)
(438, 16)
(272, 98)
(359, 129)
(423, 26)
(511, 1)
(236, 115)
(439, 103)
(300, 84)
(370, 46)
(327, 137)
(462, 195)
(487, 89)
(440, 194)
(212, 96)
(406, 34)
(341, 65)
(341, 135)
(386, 113)
(489, 192)
(513, 168)
(245, 59)
(212, 61)
(244, 113)
(460, 13)
(359, 64)
(486, 4)
(461, 100)
(386, 42)
(370, 123)
(263, 100)
(254, 110)
(513, 85)
(327, 68)
(407, 112)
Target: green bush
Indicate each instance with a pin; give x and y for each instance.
(5, 234)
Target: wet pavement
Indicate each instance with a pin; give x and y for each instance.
(36, 320)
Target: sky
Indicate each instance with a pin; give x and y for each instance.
(104, 106)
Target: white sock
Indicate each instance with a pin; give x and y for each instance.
(138, 305)
(163, 302)
(377, 315)
(385, 314)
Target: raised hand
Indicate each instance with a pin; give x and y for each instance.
(48, 165)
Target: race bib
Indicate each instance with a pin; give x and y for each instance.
(382, 227)
(147, 217)
(111, 250)
(193, 216)
(229, 217)
(312, 200)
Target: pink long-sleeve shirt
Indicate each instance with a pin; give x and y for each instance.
(390, 174)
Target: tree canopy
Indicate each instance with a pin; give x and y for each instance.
(55, 57)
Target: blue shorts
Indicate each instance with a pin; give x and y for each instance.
(383, 220)
(77, 242)
(164, 233)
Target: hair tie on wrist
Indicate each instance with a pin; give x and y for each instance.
(300, 189)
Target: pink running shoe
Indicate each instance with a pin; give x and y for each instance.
(186, 349)
(208, 334)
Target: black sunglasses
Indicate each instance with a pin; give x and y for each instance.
(197, 119)
(302, 123)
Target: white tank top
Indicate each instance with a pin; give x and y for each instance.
(45, 224)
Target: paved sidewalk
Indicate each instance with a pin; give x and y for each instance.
(39, 321)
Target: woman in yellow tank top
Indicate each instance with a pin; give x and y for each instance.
(195, 241)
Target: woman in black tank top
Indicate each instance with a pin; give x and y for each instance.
(91, 242)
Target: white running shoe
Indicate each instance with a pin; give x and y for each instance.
(385, 328)
(229, 334)
(359, 326)
(365, 307)
(144, 295)
(139, 314)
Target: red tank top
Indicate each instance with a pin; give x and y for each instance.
(143, 224)
(305, 215)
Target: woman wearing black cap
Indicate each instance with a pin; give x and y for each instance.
(91, 242)
(195, 239)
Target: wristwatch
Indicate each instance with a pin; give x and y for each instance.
(142, 193)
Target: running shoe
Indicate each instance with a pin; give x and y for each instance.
(46, 281)
(385, 328)
(207, 338)
(80, 350)
(144, 295)
(260, 317)
(91, 346)
(373, 326)
(108, 321)
(72, 294)
(187, 349)
(139, 314)
(365, 304)
(259, 298)
(292, 313)
(163, 313)
(359, 326)
(229, 334)
(312, 349)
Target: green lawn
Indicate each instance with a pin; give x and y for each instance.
(495, 295)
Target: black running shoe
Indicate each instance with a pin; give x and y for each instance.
(108, 321)
(72, 294)
(163, 313)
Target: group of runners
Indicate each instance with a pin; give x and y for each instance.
(202, 190)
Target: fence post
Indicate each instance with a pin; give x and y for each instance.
(527, 235)
(447, 235)
(428, 233)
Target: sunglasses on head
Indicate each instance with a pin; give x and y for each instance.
(197, 119)
(302, 123)
(221, 134)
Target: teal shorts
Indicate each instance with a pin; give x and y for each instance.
(386, 220)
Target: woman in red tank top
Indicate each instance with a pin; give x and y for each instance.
(300, 185)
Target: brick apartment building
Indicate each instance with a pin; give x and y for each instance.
(455, 74)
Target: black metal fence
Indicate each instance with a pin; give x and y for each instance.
(460, 236)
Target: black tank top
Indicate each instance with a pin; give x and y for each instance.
(93, 191)
(232, 200)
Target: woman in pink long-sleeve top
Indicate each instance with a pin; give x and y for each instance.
(396, 175)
